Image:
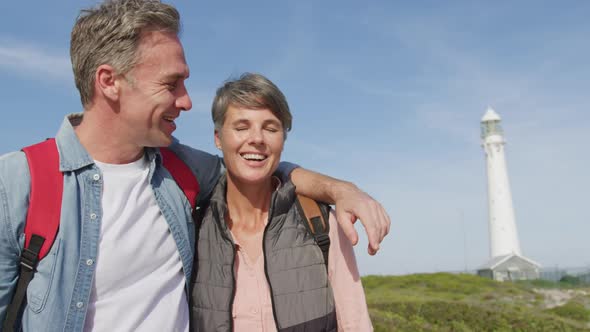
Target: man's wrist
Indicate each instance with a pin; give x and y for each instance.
(339, 189)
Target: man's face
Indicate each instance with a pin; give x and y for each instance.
(153, 93)
(252, 142)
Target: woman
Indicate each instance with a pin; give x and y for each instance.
(257, 268)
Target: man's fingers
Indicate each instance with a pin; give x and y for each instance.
(346, 221)
(371, 214)
(371, 251)
(374, 240)
(383, 222)
(371, 219)
(387, 222)
(377, 224)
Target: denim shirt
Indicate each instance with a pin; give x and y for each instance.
(58, 295)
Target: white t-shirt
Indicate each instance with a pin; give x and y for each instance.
(138, 283)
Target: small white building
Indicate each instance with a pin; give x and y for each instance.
(509, 268)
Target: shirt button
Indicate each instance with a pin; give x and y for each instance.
(79, 304)
(89, 262)
(254, 310)
(93, 216)
(96, 177)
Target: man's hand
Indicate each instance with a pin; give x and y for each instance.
(352, 204)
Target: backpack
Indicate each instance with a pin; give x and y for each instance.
(316, 217)
(43, 215)
(44, 211)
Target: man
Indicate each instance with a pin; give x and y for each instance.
(124, 250)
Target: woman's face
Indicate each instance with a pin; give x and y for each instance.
(252, 142)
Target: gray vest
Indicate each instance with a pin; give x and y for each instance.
(302, 298)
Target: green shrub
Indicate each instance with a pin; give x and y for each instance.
(537, 283)
(572, 310)
(570, 280)
(449, 302)
(443, 316)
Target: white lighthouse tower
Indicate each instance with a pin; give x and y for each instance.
(506, 261)
(503, 234)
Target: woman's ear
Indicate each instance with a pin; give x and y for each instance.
(217, 139)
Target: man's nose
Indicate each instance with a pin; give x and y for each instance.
(184, 101)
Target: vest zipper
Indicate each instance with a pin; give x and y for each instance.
(272, 301)
(233, 291)
(233, 274)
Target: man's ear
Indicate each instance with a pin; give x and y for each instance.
(107, 82)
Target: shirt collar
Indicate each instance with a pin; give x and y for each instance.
(73, 155)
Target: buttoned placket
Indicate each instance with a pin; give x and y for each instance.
(256, 307)
(184, 244)
(90, 235)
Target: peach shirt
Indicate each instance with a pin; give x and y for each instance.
(252, 309)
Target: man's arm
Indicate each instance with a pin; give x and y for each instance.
(206, 167)
(351, 203)
(9, 251)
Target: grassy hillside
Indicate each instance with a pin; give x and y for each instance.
(461, 302)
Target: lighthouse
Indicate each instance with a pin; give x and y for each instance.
(506, 260)
(503, 233)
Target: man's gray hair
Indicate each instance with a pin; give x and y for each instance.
(110, 34)
(252, 91)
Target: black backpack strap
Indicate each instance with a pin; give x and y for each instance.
(316, 223)
(28, 264)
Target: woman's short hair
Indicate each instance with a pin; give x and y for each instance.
(254, 91)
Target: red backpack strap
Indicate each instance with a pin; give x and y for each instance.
(46, 194)
(182, 174)
(42, 222)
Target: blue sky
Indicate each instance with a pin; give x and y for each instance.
(386, 94)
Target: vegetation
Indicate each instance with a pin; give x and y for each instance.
(567, 282)
(461, 302)
(571, 280)
(572, 310)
